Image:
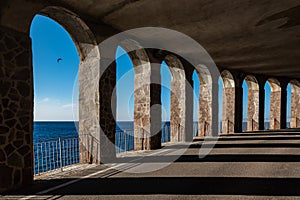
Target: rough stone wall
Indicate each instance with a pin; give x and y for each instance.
(253, 107)
(275, 109)
(16, 110)
(295, 107)
(228, 110)
(205, 110)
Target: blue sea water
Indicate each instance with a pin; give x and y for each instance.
(53, 130)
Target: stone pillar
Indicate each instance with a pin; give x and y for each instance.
(215, 107)
(228, 110)
(205, 109)
(89, 110)
(261, 112)
(253, 107)
(147, 102)
(283, 109)
(295, 106)
(16, 110)
(189, 101)
(107, 101)
(238, 114)
(178, 99)
(275, 109)
(155, 105)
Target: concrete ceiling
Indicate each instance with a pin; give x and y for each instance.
(256, 36)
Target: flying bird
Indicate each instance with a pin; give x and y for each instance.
(59, 59)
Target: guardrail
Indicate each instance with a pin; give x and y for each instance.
(54, 154)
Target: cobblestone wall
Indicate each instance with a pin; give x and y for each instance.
(16, 110)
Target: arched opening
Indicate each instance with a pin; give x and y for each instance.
(228, 102)
(177, 103)
(205, 102)
(55, 67)
(166, 79)
(124, 138)
(196, 97)
(272, 104)
(295, 104)
(142, 98)
(251, 103)
(62, 47)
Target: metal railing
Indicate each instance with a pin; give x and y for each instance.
(54, 154)
(124, 141)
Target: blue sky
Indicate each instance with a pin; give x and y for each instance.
(55, 83)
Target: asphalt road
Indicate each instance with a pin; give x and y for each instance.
(248, 166)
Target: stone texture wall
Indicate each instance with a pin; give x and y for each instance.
(205, 110)
(228, 110)
(275, 105)
(16, 110)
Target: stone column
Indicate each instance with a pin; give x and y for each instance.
(275, 110)
(261, 112)
(147, 102)
(283, 110)
(215, 107)
(238, 114)
(228, 110)
(107, 101)
(16, 110)
(189, 102)
(253, 108)
(178, 99)
(89, 110)
(295, 106)
(205, 109)
(155, 105)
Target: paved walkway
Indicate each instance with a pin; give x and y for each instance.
(262, 165)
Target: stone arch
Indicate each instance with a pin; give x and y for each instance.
(142, 99)
(275, 103)
(295, 104)
(177, 121)
(228, 102)
(253, 103)
(88, 79)
(205, 101)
